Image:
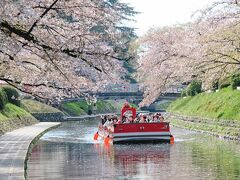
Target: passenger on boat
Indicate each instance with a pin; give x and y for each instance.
(150, 117)
(136, 120)
(107, 123)
(103, 119)
(139, 118)
(161, 119)
(119, 121)
(115, 120)
(155, 119)
(143, 119)
(130, 119)
(124, 118)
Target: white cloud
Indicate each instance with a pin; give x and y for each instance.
(155, 13)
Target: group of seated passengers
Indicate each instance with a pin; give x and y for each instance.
(109, 119)
(141, 118)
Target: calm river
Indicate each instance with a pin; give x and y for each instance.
(70, 153)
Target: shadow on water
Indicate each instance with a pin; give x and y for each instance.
(70, 153)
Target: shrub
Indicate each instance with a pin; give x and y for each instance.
(184, 93)
(194, 88)
(3, 98)
(235, 81)
(215, 85)
(12, 95)
(225, 83)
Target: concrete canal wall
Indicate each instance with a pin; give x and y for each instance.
(216, 113)
(227, 129)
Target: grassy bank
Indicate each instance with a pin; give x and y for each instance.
(42, 112)
(16, 113)
(163, 105)
(81, 108)
(33, 106)
(102, 106)
(12, 117)
(224, 104)
(217, 113)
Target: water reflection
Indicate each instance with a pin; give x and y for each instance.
(70, 153)
(134, 160)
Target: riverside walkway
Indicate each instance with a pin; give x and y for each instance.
(14, 147)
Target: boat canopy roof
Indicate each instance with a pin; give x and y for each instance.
(127, 108)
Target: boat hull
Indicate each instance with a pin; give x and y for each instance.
(138, 133)
(148, 137)
(142, 140)
(142, 132)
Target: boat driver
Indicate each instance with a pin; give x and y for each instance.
(130, 119)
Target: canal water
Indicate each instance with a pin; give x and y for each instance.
(69, 153)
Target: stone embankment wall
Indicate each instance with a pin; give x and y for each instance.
(227, 129)
(49, 117)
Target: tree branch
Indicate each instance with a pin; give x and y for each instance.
(29, 37)
(43, 14)
(9, 56)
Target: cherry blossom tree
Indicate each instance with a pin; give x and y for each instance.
(220, 40)
(57, 48)
(207, 50)
(166, 59)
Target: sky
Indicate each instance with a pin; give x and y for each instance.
(159, 13)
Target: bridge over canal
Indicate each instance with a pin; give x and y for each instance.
(134, 97)
(133, 94)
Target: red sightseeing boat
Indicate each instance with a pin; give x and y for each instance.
(133, 132)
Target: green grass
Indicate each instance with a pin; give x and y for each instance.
(13, 111)
(224, 104)
(117, 104)
(164, 105)
(12, 117)
(33, 106)
(105, 106)
(81, 107)
(75, 108)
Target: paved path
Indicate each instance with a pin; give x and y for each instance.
(13, 149)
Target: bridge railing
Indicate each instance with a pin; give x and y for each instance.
(136, 88)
